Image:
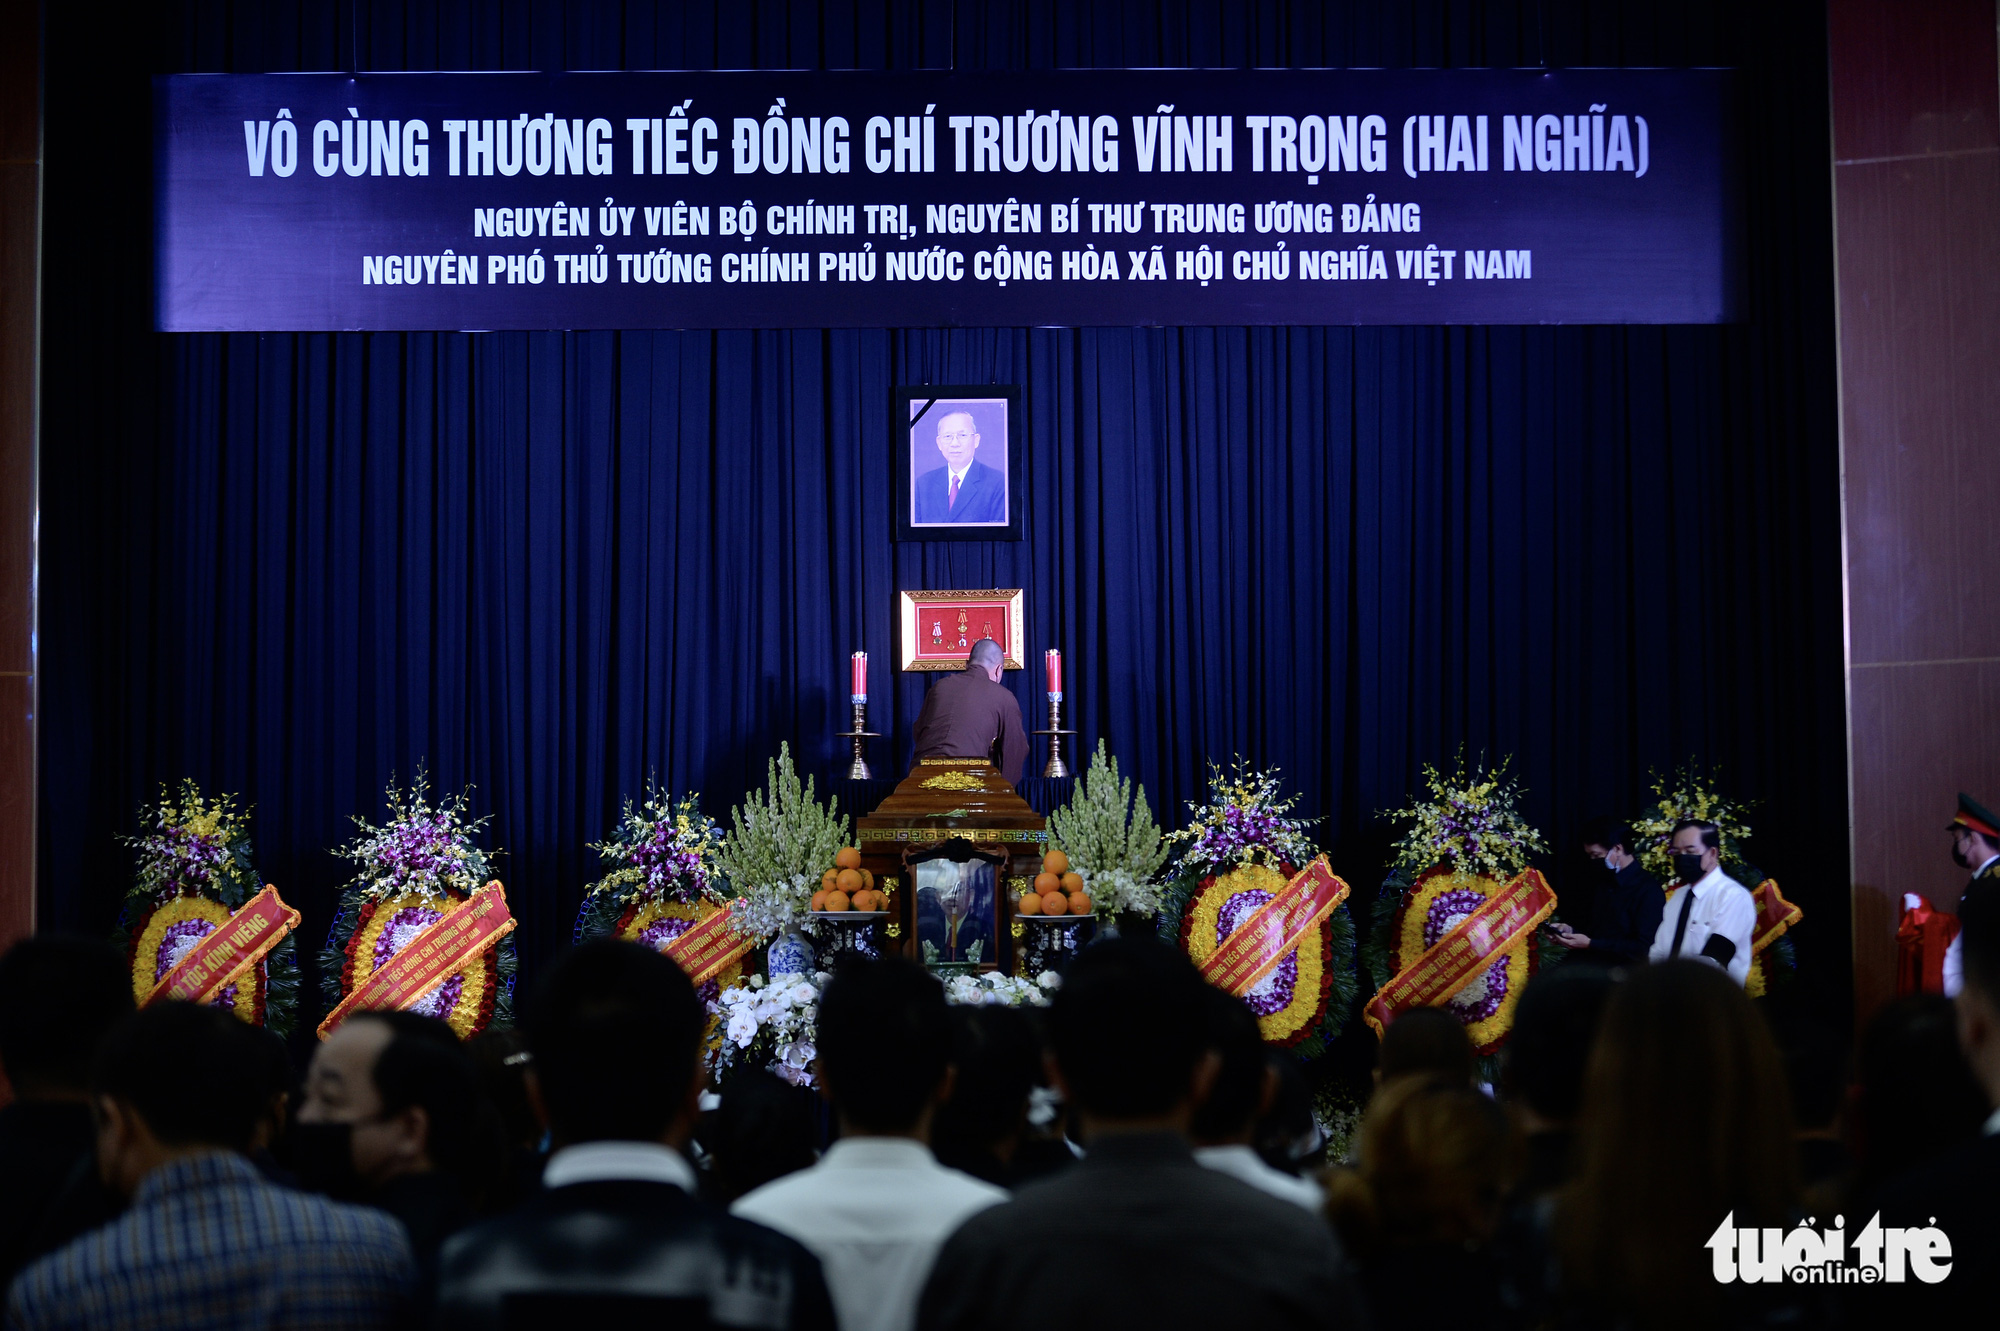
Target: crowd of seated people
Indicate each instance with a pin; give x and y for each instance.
(1134, 1155)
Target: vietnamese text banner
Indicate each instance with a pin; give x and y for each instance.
(768, 200)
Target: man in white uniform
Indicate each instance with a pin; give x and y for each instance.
(1709, 915)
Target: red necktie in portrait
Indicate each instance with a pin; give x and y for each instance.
(951, 500)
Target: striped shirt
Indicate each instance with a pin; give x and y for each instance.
(209, 1243)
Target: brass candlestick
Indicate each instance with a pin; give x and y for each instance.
(1056, 766)
(861, 734)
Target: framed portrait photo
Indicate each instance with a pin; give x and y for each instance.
(958, 462)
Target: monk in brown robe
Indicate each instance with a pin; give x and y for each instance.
(973, 715)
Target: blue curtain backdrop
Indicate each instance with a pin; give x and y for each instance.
(549, 564)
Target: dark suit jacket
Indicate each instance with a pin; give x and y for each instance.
(967, 715)
(1959, 1189)
(1139, 1235)
(982, 496)
(1626, 914)
(627, 1253)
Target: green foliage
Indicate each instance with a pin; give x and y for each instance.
(1108, 832)
(780, 835)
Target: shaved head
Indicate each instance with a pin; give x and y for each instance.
(986, 655)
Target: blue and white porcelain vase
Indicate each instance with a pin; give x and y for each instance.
(791, 953)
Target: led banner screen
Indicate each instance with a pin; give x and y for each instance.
(769, 200)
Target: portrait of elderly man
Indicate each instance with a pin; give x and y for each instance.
(964, 490)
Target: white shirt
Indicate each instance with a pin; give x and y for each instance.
(1722, 907)
(875, 1211)
(1954, 955)
(1242, 1162)
(601, 1162)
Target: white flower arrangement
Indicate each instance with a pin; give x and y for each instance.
(992, 988)
(1107, 830)
(772, 1024)
(780, 841)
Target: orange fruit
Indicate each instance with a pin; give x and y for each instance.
(1055, 862)
(1055, 903)
(868, 880)
(847, 858)
(850, 881)
(1046, 883)
(1079, 903)
(837, 900)
(1072, 882)
(819, 899)
(1030, 905)
(828, 880)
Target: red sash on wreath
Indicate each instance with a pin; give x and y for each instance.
(1255, 947)
(458, 936)
(1923, 936)
(709, 947)
(1447, 966)
(221, 957)
(1774, 915)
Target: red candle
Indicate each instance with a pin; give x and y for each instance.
(1053, 660)
(859, 685)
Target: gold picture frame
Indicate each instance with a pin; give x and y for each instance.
(939, 627)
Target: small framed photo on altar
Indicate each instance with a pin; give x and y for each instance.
(957, 908)
(958, 462)
(939, 628)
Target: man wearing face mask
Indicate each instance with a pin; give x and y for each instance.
(1625, 911)
(1709, 916)
(391, 1117)
(1975, 846)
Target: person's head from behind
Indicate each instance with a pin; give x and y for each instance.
(1914, 1091)
(59, 995)
(1979, 999)
(761, 1130)
(1686, 1118)
(1245, 1080)
(884, 1038)
(1430, 1041)
(172, 1080)
(1555, 1024)
(996, 1057)
(986, 658)
(1436, 1160)
(615, 1030)
(1126, 1035)
(1696, 847)
(1608, 842)
(402, 1093)
(957, 439)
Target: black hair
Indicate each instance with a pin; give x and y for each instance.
(1555, 1025)
(1237, 1096)
(1915, 1094)
(1711, 835)
(763, 1129)
(884, 1037)
(997, 1053)
(1609, 833)
(1427, 1040)
(614, 1028)
(194, 1074)
(1979, 940)
(424, 1066)
(1126, 1027)
(1815, 1067)
(59, 995)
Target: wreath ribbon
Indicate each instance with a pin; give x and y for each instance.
(1774, 915)
(709, 947)
(1447, 966)
(1923, 936)
(221, 957)
(1254, 948)
(460, 934)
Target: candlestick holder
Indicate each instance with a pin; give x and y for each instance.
(1056, 766)
(861, 734)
